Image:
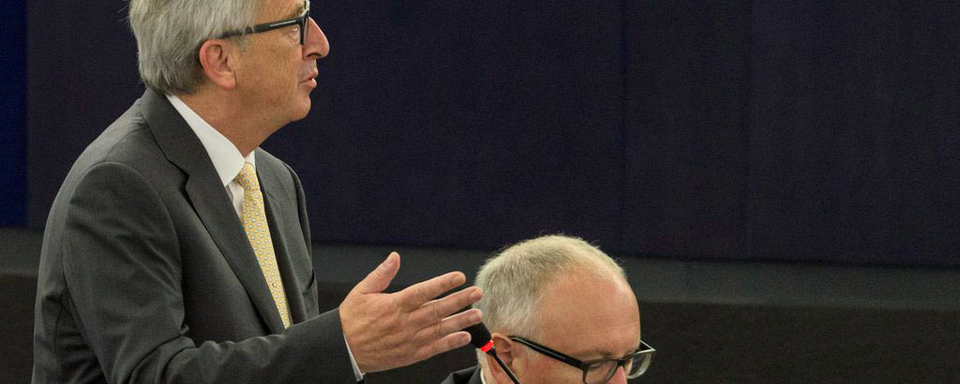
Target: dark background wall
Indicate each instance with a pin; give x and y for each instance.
(700, 141)
(13, 81)
(801, 131)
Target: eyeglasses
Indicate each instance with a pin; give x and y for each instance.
(600, 370)
(299, 20)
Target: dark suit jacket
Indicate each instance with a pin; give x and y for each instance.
(146, 274)
(466, 376)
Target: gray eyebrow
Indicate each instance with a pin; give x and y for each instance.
(298, 11)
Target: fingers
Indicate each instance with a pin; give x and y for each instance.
(436, 310)
(445, 344)
(416, 295)
(386, 331)
(450, 342)
(456, 323)
(379, 279)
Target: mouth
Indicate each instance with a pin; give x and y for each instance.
(311, 80)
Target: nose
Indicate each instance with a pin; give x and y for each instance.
(619, 377)
(316, 47)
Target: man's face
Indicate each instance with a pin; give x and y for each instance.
(276, 73)
(585, 318)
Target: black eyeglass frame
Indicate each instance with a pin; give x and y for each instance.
(645, 349)
(299, 20)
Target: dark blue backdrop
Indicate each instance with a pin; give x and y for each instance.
(775, 130)
(13, 179)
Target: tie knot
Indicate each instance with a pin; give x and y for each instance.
(248, 177)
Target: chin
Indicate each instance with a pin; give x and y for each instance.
(303, 108)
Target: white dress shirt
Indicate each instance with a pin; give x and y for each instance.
(228, 161)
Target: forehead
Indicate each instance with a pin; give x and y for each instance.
(271, 10)
(588, 317)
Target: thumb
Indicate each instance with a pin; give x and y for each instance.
(379, 279)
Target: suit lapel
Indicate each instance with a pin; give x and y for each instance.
(209, 199)
(274, 206)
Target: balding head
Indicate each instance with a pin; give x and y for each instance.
(555, 274)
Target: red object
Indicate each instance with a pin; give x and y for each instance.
(486, 348)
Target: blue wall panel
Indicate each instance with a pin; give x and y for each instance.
(463, 123)
(81, 75)
(737, 129)
(686, 164)
(853, 131)
(13, 178)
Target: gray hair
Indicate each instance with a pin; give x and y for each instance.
(170, 32)
(514, 280)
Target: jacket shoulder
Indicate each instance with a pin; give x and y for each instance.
(128, 140)
(465, 376)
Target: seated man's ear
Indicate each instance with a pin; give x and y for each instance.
(218, 62)
(509, 352)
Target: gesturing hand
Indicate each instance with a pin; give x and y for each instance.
(386, 331)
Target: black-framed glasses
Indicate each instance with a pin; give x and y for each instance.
(299, 20)
(600, 370)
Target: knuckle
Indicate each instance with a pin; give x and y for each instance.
(377, 274)
(437, 312)
(422, 295)
(438, 331)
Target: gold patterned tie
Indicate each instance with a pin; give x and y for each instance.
(258, 232)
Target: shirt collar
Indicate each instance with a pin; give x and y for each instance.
(226, 158)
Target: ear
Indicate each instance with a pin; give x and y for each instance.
(508, 352)
(218, 62)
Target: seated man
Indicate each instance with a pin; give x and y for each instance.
(560, 311)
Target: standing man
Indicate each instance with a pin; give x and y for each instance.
(560, 312)
(177, 251)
